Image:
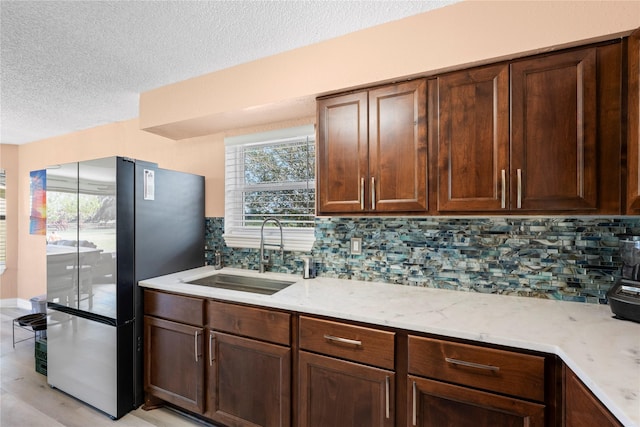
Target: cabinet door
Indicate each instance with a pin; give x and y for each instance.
(633, 123)
(174, 366)
(473, 139)
(342, 153)
(553, 132)
(582, 408)
(338, 393)
(398, 148)
(436, 404)
(249, 382)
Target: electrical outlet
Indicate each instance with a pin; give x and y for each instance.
(356, 245)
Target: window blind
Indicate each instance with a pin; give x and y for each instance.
(266, 177)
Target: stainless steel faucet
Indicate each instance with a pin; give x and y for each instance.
(265, 261)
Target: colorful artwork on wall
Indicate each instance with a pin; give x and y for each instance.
(38, 216)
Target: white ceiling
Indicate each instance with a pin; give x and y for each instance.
(72, 65)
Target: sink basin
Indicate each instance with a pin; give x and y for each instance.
(256, 285)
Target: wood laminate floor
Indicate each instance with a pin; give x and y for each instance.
(26, 400)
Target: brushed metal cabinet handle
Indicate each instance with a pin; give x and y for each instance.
(211, 338)
(195, 345)
(519, 173)
(373, 193)
(343, 340)
(361, 194)
(504, 187)
(472, 364)
(415, 404)
(386, 396)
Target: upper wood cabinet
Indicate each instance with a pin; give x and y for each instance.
(633, 123)
(473, 140)
(553, 132)
(372, 150)
(539, 134)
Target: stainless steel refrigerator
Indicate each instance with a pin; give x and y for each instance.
(112, 222)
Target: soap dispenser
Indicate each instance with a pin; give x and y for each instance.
(308, 268)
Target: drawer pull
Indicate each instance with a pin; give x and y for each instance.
(472, 364)
(343, 340)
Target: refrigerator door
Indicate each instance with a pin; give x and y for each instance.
(81, 360)
(169, 223)
(62, 234)
(97, 219)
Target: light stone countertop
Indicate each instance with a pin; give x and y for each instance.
(602, 351)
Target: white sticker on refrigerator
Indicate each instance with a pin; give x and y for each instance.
(149, 184)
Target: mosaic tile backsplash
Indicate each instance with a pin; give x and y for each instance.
(572, 259)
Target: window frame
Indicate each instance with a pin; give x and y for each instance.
(295, 238)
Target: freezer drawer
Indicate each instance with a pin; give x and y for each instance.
(82, 360)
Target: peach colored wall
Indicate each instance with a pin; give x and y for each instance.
(456, 35)
(9, 279)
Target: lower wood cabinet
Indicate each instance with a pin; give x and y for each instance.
(229, 364)
(437, 404)
(173, 350)
(248, 382)
(581, 407)
(459, 385)
(346, 375)
(247, 366)
(338, 393)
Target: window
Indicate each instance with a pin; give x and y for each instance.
(3, 221)
(270, 174)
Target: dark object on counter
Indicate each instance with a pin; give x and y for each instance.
(624, 296)
(624, 300)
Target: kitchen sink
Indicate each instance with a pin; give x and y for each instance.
(256, 285)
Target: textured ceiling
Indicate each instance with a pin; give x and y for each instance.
(72, 65)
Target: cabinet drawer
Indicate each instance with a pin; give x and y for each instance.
(364, 345)
(485, 368)
(179, 308)
(262, 324)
